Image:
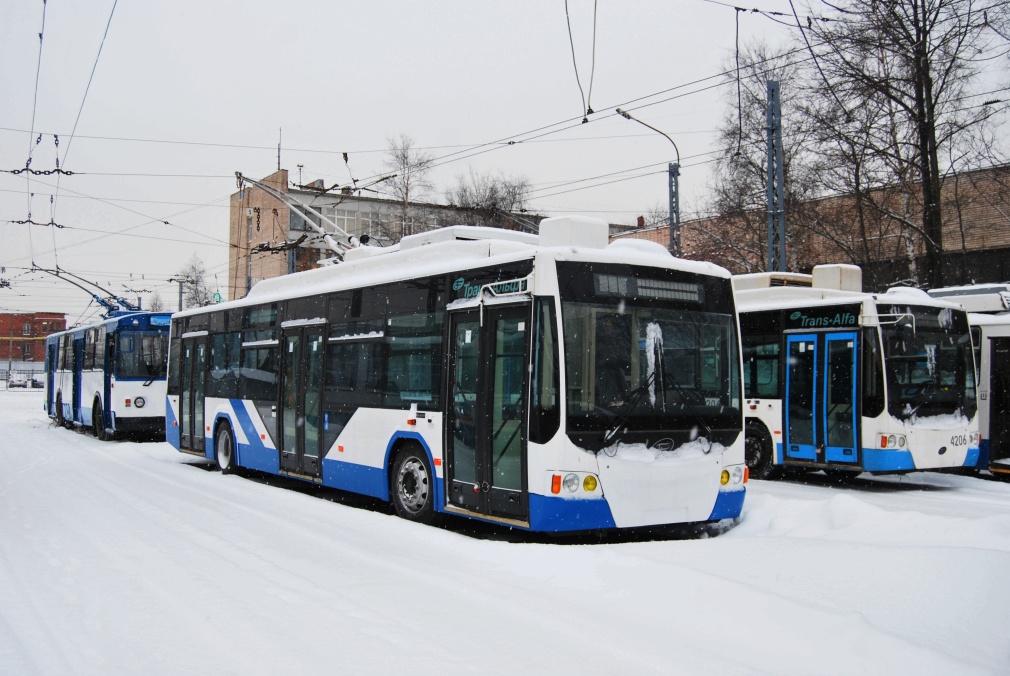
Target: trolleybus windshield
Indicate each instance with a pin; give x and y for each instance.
(928, 361)
(141, 354)
(649, 354)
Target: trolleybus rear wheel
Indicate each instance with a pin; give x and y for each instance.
(411, 486)
(60, 420)
(758, 451)
(98, 422)
(224, 449)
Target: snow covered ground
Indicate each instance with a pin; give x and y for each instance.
(130, 558)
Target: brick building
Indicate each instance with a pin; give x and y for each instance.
(23, 339)
(881, 232)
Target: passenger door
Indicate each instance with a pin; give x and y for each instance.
(486, 440)
(839, 420)
(191, 395)
(821, 415)
(300, 407)
(801, 397)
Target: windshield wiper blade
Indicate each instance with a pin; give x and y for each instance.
(685, 398)
(628, 404)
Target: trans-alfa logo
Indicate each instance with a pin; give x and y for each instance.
(838, 319)
(469, 290)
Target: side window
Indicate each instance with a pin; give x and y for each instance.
(259, 366)
(100, 348)
(414, 366)
(174, 365)
(761, 366)
(89, 350)
(67, 352)
(355, 368)
(873, 375)
(224, 365)
(545, 411)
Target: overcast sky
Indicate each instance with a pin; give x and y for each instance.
(186, 93)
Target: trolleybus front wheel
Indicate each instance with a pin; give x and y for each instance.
(411, 485)
(224, 449)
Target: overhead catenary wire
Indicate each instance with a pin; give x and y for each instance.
(31, 133)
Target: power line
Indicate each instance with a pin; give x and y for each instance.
(91, 77)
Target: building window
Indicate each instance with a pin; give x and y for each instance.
(26, 351)
(26, 330)
(346, 221)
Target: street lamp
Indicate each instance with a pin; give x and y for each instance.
(674, 172)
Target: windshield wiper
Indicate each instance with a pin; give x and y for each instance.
(685, 399)
(628, 404)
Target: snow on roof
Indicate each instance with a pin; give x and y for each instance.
(752, 300)
(466, 248)
(977, 297)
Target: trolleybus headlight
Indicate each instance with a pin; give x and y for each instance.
(139, 402)
(892, 441)
(571, 482)
(737, 474)
(724, 479)
(901, 441)
(589, 483)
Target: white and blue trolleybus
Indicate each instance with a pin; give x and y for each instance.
(109, 376)
(550, 383)
(844, 381)
(988, 308)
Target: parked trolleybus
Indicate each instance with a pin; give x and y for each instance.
(549, 383)
(989, 316)
(849, 382)
(109, 376)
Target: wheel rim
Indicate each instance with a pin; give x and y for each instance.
(412, 485)
(224, 450)
(754, 452)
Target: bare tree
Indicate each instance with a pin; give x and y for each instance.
(411, 183)
(739, 188)
(867, 119)
(489, 200)
(193, 277)
(916, 61)
(155, 303)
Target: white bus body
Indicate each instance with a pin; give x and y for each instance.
(109, 376)
(465, 372)
(846, 381)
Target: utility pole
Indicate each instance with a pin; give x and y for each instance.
(674, 177)
(776, 199)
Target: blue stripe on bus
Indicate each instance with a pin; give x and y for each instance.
(552, 514)
(255, 454)
(348, 476)
(881, 460)
(972, 459)
(983, 454)
(374, 481)
(728, 505)
(173, 434)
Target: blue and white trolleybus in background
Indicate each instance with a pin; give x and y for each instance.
(988, 308)
(847, 382)
(549, 383)
(109, 376)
